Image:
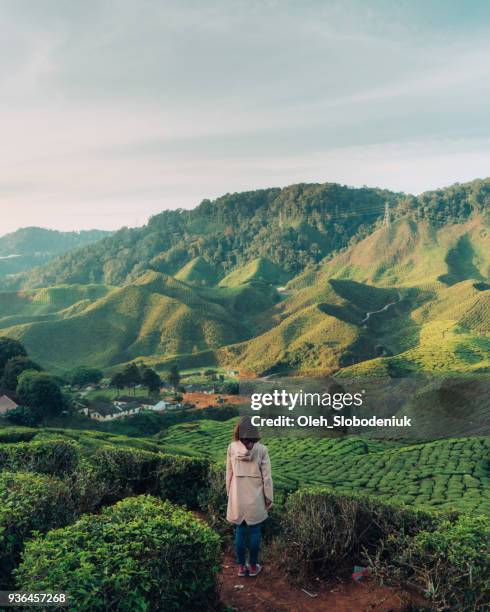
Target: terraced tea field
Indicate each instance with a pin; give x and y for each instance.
(445, 474)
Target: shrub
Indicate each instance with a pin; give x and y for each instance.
(28, 503)
(21, 415)
(141, 554)
(213, 499)
(17, 434)
(114, 473)
(181, 479)
(451, 563)
(323, 530)
(56, 457)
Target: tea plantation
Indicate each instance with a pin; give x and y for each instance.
(451, 474)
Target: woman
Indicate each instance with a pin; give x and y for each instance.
(250, 492)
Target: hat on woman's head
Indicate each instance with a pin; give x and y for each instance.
(246, 430)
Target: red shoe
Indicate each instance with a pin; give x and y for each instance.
(242, 570)
(254, 569)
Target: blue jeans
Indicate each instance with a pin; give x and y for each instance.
(254, 537)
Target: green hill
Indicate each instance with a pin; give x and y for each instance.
(155, 315)
(18, 307)
(409, 296)
(198, 272)
(294, 227)
(259, 269)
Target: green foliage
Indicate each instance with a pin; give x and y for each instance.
(22, 415)
(324, 531)
(17, 434)
(28, 503)
(181, 479)
(292, 227)
(118, 380)
(34, 246)
(10, 348)
(198, 272)
(14, 368)
(150, 379)
(260, 269)
(55, 457)
(41, 392)
(141, 554)
(451, 563)
(173, 377)
(110, 474)
(213, 499)
(84, 375)
(231, 388)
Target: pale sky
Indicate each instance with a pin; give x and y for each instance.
(111, 111)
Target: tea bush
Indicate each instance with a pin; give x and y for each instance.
(213, 499)
(181, 479)
(28, 503)
(112, 473)
(55, 457)
(17, 434)
(324, 530)
(141, 554)
(450, 563)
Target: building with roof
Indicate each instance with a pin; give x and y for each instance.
(6, 404)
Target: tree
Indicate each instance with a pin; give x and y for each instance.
(151, 380)
(40, 392)
(84, 375)
(10, 348)
(231, 388)
(131, 375)
(118, 381)
(174, 377)
(14, 368)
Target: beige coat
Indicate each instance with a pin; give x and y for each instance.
(248, 483)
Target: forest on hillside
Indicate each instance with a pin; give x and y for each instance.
(294, 227)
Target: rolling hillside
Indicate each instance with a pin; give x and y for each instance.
(154, 315)
(375, 299)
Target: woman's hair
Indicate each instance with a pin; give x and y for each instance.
(245, 430)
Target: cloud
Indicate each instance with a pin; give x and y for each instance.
(111, 111)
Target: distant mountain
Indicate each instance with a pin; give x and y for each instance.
(29, 247)
(294, 228)
(402, 285)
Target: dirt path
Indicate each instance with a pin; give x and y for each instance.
(368, 314)
(271, 591)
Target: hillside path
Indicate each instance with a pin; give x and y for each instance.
(272, 591)
(385, 308)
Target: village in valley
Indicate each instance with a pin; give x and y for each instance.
(87, 392)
